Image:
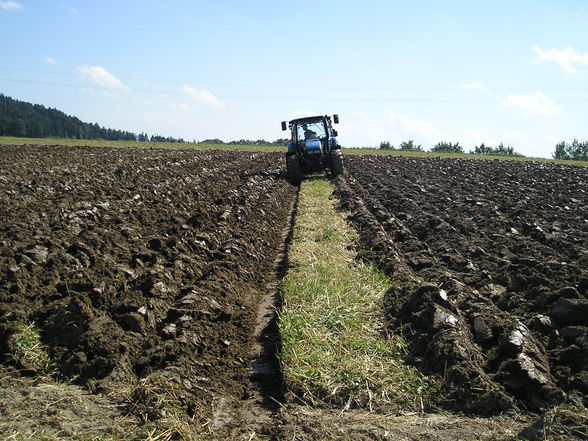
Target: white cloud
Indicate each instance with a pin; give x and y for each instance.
(566, 58)
(473, 137)
(10, 4)
(513, 135)
(50, 60)
(362, 116)
(144, 102)
(201, 96)
(99, 76)
(303, 113)
(413, 127)
(182, 107)
(362, 129)
(475, 86)
(534, 104)
(579, 17)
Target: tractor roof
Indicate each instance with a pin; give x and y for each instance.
(309, 119)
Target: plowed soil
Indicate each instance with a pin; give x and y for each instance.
(149, 275)
(143, 271)
(492, 263)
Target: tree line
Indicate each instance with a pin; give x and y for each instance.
(454, 147)
(26, 120)
(576, 150)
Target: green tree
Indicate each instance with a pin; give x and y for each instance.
(482, 149)
(19, 118)
(576, 150)
(216, 141)
(560, 151)
(411, 146)
(385, 145)
(579, 150)
(447, 147)
(17, 127)
(501, 149)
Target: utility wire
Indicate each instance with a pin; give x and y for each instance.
(290, 86)
(396, 99)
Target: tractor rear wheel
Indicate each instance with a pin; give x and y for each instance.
(336, 162)
(293, 168)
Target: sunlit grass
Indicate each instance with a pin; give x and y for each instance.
(27, 350)
(139, 145)
(377, 152)
(333, 346)
(262, 148)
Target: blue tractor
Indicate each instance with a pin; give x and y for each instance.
(313, 146)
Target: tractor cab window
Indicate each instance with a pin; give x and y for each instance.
(311, 130)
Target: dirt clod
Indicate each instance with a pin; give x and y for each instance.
(142, 270)
(506, 242)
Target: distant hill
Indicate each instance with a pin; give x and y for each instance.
(22, 119)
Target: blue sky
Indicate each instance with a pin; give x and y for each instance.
(514, 72)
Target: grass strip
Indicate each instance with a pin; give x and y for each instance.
(67, 142)
(333, 347)
(363, 151)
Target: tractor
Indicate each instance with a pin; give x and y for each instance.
(313, 147)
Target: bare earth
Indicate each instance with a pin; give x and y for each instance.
(150, 276)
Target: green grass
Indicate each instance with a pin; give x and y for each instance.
(141, 145)
(333, 345)
(27, 350)
(378, 152)
(263, 148)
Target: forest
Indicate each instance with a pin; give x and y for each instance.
(26, 120)
(22, 119)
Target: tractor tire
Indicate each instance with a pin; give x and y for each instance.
(336, 162)
(294, 169)
(327, 161)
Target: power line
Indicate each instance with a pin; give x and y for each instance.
(396, 99)
(290, 86)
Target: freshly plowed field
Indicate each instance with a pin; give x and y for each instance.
(491, 260)
(142, 269)
(136, 295)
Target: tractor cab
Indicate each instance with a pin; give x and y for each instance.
(313, 146)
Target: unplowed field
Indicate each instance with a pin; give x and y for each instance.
(491, 258)
(143, 270)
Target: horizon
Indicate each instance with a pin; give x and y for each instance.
(429, 72)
